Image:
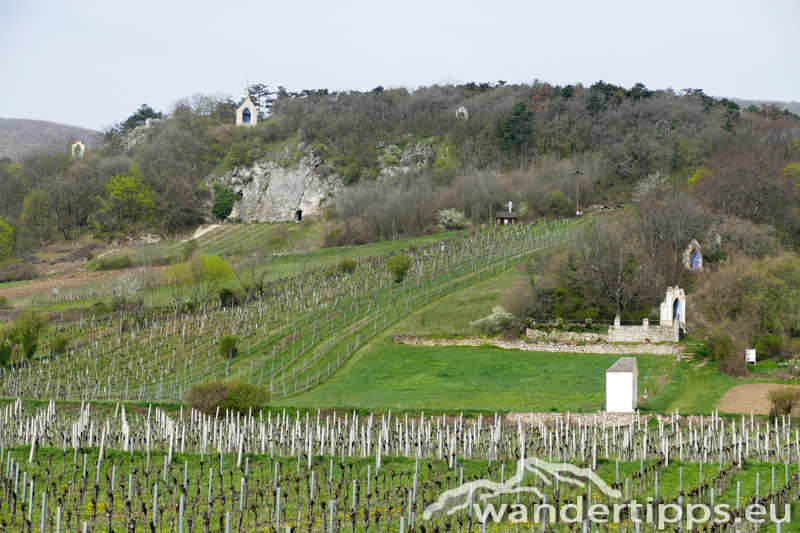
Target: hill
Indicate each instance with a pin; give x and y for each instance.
(792, 107)
(18, 136)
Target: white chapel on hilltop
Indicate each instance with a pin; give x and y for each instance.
(247, 112)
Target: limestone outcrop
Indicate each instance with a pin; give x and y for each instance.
(276, 191)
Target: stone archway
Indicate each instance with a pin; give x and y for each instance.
(676, 309)
(246, 116)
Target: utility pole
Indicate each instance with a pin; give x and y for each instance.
(577, 197)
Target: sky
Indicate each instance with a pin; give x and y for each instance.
(92, 63)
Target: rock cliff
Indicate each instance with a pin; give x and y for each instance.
(274, 191)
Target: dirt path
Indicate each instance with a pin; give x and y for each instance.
(202, 230)
(751, 397)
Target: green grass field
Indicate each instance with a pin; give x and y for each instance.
(451, 379)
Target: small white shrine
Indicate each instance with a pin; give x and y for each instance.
(622, 386)
(247, 112)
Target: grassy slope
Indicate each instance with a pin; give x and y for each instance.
(393, 376)
(388, 375)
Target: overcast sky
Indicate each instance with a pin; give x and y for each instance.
(92, 63)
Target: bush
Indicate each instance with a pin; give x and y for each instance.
(4, 302)
(451, 219)
(228, 346)
(242, 397)
(226, 395)
(498, 321)
(723, 351)
(208, 396)
(115, 263)
(58, 344)
(768, 347)
(223, 202)
(398, 266)
(16, 271)
(189, 248)
(84, 252)
(226, 297)
(783, 400)
(346, 265)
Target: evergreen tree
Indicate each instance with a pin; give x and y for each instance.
(516, 131)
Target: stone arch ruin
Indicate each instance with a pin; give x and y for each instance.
(78, 148)
(673, 308)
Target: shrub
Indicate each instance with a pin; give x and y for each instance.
(27, 328)
(242, 397)
(398, 266)
(346, 265)
(6, 344)
(723, 351)
(226, 395)
(768, 347)
(207, 396)
(228, 346)
(115, 263)
(226, 297)
(783, 400)
(4, 302)
(58, 344)
(84, 252)
(16, 271)
(498, 321)
(223, 202)
(451, 219)
(189, 248)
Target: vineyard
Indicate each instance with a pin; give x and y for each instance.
(110, 447)
(115, 471)
(291, 340)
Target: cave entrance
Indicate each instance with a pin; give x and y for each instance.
(298, 215)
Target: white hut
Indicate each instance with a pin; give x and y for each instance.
(622, 382)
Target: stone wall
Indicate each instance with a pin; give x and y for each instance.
(645, 333)
(600, 347)
(563, 336)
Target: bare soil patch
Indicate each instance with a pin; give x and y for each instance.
(63, 283)
(750, 397)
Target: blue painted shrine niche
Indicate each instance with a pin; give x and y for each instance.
(695, 259)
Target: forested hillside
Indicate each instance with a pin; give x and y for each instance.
(407, 155)
(19, 136)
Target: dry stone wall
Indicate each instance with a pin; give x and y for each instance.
(571, 347)
(643, 334)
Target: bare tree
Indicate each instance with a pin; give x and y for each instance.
(300, 252)
(611, 264)
(252, 273)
